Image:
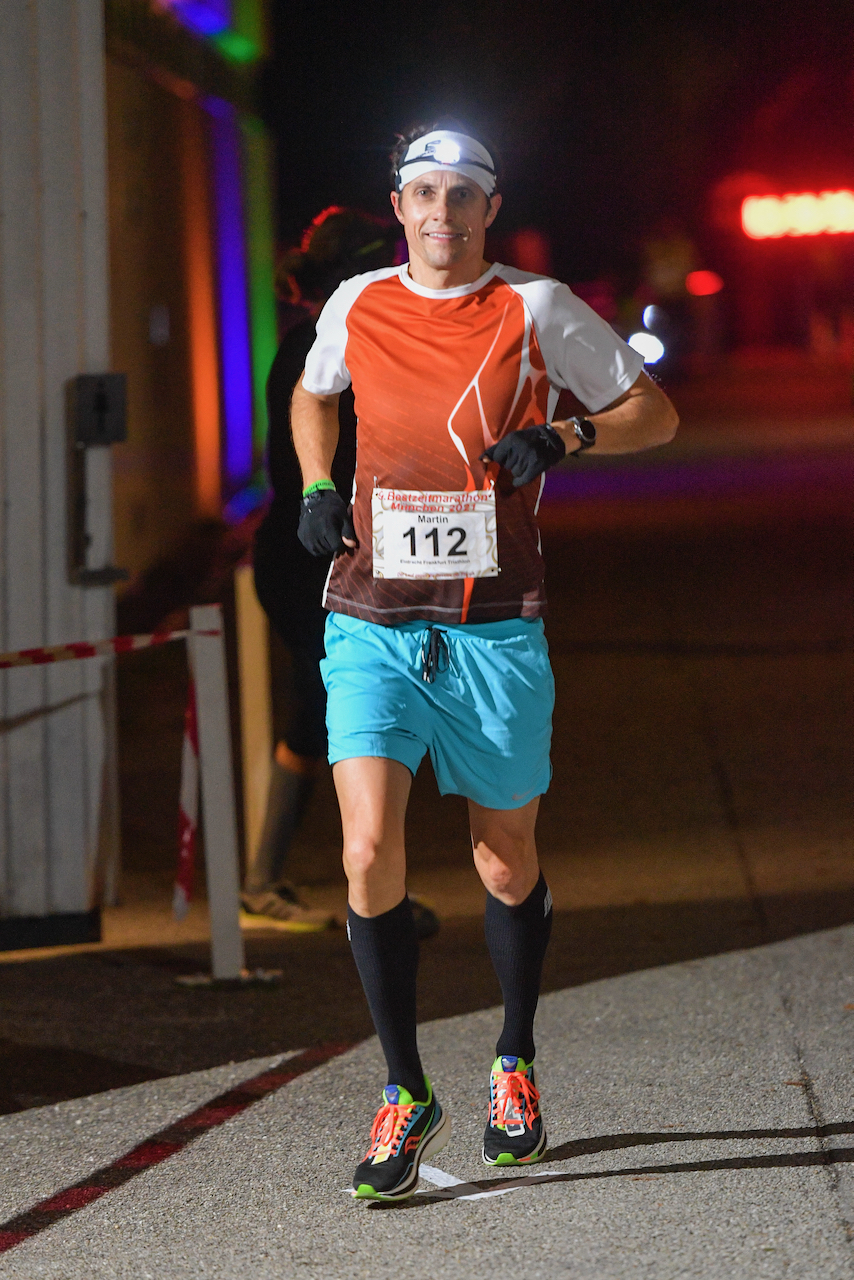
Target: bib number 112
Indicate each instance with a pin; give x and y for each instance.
(422, 536)
(432, 536)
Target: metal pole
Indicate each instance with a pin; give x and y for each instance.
(207, 654)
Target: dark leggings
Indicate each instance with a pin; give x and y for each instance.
(306, 731)
(289, 583)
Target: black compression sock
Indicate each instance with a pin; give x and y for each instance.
(517, 938)
(385, 949)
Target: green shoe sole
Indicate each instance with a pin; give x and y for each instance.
(506, 1158)
(365, 1191)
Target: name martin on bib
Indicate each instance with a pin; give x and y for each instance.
(420, 536)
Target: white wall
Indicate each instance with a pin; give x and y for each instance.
(57, 734)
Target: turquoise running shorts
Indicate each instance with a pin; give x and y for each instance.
(486, 718)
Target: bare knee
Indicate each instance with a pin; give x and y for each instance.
(362, 857)
(372, 793)
(510, 872)
(497, 875)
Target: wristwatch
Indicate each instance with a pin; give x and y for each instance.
(586, 434)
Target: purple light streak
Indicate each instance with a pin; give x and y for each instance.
(232, 271)
(204, 17)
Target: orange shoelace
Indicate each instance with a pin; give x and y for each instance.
(389, 1124)
(514, 1092)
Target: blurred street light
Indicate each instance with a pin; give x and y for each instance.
(652, 316)
(804, 214)
(650, 347)
(701, 284)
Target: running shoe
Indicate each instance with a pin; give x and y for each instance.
(404, 1133)
(282, 908)
(515, 1133)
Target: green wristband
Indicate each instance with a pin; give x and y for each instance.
(317, 487)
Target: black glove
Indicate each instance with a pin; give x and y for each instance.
(324, 521)
(527, 453)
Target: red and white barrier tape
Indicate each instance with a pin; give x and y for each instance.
(188, 809)
(92, 649)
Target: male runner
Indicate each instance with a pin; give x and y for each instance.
(435, 636)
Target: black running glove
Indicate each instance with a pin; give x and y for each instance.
(324, 521)
(527, 453)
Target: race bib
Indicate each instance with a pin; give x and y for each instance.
(434, 535)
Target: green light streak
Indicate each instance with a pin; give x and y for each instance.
(246, 39)
(249, 20)
(236, 47)
(262, 299)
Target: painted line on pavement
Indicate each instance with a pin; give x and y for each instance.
(462, 1190)
(162, 1145)
(438, 1176)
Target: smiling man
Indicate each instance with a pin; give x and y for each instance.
(435, 637)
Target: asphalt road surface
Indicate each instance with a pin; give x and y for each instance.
(700, 1118)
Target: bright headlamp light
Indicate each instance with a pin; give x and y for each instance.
(445, 150)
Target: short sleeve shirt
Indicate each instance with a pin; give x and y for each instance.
(438, 376)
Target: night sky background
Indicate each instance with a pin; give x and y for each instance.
(609, 115)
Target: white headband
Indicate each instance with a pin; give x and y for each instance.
(444, 150)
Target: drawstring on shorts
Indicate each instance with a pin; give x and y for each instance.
(434, 654)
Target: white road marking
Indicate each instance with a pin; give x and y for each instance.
(438, 1177)
(444, 1180)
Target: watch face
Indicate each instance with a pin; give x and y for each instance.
(585, 430)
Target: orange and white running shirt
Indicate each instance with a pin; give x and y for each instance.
(438, 376)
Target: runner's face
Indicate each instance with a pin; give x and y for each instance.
(445, 216)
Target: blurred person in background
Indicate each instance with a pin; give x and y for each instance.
(339, 243)
(289, 582)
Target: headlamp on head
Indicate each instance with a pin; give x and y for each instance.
(445, 150)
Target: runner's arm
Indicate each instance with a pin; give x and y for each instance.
(314, 429)
(639, 419)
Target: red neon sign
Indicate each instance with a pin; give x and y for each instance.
(806, 214)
